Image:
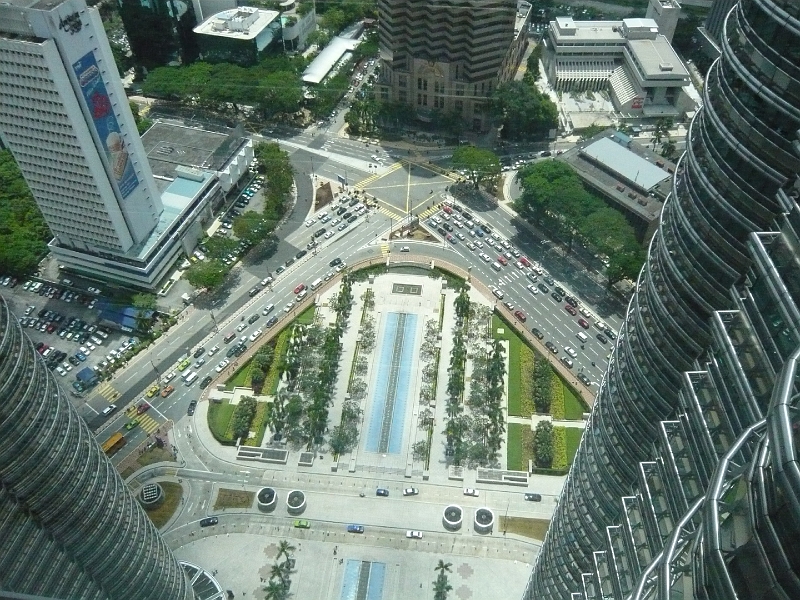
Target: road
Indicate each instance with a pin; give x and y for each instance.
(331, 155)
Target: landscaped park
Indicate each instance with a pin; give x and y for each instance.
(408, 372)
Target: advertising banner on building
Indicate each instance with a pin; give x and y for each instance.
(105, 123)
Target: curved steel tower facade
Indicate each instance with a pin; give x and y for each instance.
(698, 361)
(69, 526)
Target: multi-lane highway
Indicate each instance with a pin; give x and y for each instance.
(360, 241)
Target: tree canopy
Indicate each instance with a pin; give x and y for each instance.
(481, 165)
(553, 194)
(23, 231)
(522, 110)
(207, 274)
(272, 86)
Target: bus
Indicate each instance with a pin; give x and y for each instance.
(114, 443)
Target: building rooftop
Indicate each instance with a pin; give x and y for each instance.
(327, 59)
(628, 165)
(243, 23)
(169, 145)
(657, 59)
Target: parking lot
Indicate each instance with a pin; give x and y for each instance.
(62, 322)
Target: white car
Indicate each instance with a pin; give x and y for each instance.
(519, 265)
(478, 244)
(571, 351)
(241, 327)
(288, 307)
(341, 267)
(61, 371)
(533, 289)
(414, 535)
(221, 366)
(266, 281)
(213, 351)
(410, 491)
(471, 492)
(471, 246)
(460, 236)
(255, 334)
(310, 222)
(328, 235)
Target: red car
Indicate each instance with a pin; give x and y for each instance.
(583, 323)
(524, 261)
(571, 310)
(447, 209)
(520, 315)
(299, 288)
(143, 407)
(502, 260)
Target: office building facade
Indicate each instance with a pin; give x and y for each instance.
(65, 117)
(449, 56)
(69, 526)
(686, 483)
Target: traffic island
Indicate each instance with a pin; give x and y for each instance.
(296, 502)
(484, 521)
(267, 499)
(452, 517)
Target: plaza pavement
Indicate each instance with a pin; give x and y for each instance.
(241, 547)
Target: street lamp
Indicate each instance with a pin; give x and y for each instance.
(158, 375)
(213, 320)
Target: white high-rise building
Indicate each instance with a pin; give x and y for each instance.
(65, 117)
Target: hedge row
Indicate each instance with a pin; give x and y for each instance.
(526, 363)
(560, 461)
(259, 425)
(557, 403)
(274, 373)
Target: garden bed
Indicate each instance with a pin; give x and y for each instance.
(219, 418)
(227, 498)
(519, 449)
(161, 514)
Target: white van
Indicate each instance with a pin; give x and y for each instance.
(496, 266)
(190, 379)
(268, 309)
(316, 283)
(582, 337)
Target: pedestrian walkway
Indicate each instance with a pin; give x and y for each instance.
(384, 249)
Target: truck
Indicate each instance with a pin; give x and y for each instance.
(114, 443)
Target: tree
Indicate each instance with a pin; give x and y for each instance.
(285, 549)
(144, 301)
(219, 247)
(441, 585)
(275, 590)
(668, 149)
(420, 449)
(23, 231)
(625, 264)
(250, 227)
(207, 274)
(522, 110)
(481, 165)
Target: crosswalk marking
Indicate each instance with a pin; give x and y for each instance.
(389, 213)
(375, 176)
(148, 423)
(107, 391)
(384, 249)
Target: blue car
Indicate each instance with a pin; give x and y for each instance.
(81, 356)
(355, 529)
(479, 232)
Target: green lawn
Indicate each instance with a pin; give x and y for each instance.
(573, 441)
(239, 379)
(514, 370)
(573, 405)
(219, 416)
(518, 449)
(307, 316)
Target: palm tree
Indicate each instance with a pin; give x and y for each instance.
(284, 549)
(440, 587)
(443, 567)
(274, 591)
